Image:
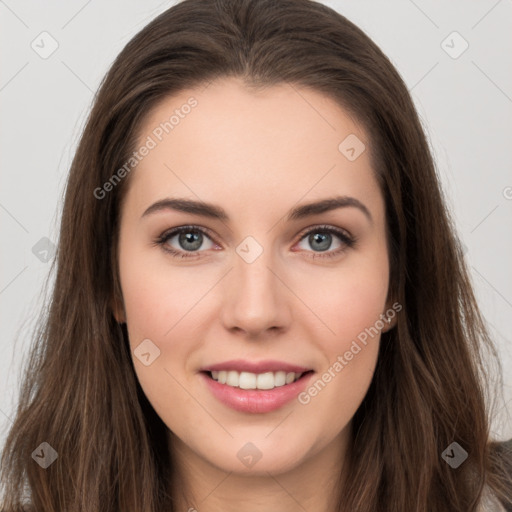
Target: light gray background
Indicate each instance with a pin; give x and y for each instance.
(465, 104)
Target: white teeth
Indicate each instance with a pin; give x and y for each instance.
(265, 381)
(279, 379)
(247, 380)
(233, 379)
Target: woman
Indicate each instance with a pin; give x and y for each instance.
(200, 351)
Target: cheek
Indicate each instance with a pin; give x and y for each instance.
(155, 296)
(350, 303)
(350, 300)
(352, 309)
(163, 304)
(156, 305)
(360, 302)
(143, 298)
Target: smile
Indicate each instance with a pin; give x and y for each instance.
(248, 380)
(253, 392)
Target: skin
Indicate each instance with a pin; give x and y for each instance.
(257, 155)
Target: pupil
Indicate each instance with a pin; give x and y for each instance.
(326, 238)
(191, 237)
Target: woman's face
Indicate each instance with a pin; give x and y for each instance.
(255, 293)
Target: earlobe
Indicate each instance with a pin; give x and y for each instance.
(390, 319)
(118, 312)
(389, 323)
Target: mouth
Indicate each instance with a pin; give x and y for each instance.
(255, 393)
(257, 381)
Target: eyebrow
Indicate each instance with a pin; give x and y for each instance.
(216, 212)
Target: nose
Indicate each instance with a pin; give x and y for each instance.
(256, 301)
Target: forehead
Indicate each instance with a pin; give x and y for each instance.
(227, 142)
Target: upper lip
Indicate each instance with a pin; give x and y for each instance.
(241, 365)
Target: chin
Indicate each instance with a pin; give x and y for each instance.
(258, 456)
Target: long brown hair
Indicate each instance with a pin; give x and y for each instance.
(431, 386)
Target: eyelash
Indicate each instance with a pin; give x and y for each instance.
(348, 241)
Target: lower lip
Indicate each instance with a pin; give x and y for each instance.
(256, 400)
